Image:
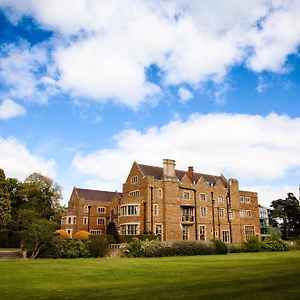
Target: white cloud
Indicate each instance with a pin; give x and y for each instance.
(268, 193)
(191, 42)
(247, 147)
(184, 95)
(20, 72)
(10, 109)
(17, 161)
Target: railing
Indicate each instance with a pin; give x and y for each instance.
(188, 218)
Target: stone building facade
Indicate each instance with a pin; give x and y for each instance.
(176, 204)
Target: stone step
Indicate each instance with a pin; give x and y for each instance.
(6, 254)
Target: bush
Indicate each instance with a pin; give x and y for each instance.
(234, 248)
(152, 248)
(59, 247)
(252, 244)
(274, 245)
(143, 237)
(98, 246)
(220, 247)
(81, 235)
(113, 231)
(10, 239)
(63, 233)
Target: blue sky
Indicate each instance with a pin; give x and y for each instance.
(87, 87)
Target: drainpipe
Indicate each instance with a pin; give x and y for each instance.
(219, 225)
(213, 214)
(229, 220)
(151, 208)
(89, 212)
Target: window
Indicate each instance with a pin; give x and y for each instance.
(95, 232)
(247, 199)
(69, 220)
(132, 229)
(158, 229)
(155, 210)
(185, 232)
(230, 214)
(85, 209)
(249, 231)
(74, 220)
(129, 210)
(101, 210)
(242, 199)
(85, 220)
(221, 198)
(135, 193)
(159, 193)
(225, 236)
(221, 212)
(186, 195)
(100, 221)
(134, 179)
(202, 232)
(202, 197)
(203, 211)
(245, 213)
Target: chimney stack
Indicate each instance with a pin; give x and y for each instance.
(190, 173)
(169, 170)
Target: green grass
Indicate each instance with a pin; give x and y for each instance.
(233, 276)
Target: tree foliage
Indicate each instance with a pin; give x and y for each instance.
(112, 230)
(287, 211)
(5, 205)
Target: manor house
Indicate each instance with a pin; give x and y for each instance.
(176, 204)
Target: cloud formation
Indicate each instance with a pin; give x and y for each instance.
(10, 109)
(243, 146)
(103, 49)
(17, 161)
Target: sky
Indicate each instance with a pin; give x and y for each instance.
(88, 87)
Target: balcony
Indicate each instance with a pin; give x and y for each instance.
(188, 219)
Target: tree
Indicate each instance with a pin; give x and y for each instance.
(5, 205)
(42, 195)
(112, 230)
(17, 199)
(287, 211)
(35, 231)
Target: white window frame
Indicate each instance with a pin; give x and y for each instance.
(134, 179)
(101, 209)
(186, 195)
(245, 213)
(231, 215)
(221, 212)
(159, 193)
(247, 199)
(203, 211)
(226, 236)
(158, 229)
(246, 232)
(99, 221)
(202, 197)
(185, 232)
(202, 233)
(135, 193)
(85, 220)
(95, 232)
(221, 198)
(130, 209)
(155, 210)
(242, 199)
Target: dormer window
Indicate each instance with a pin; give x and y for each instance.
(186, 195)
(134, 179)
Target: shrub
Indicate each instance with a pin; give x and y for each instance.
(143, 237)
(59, 247)
(9, 239)
(113, 231)
(252, 244)
(152, 248)
(63, 233)
(220, 247)
(274, 245)
(98, 246)
(234, 248)
(81, 235)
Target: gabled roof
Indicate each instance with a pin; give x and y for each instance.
(95, 195)
(157, 173)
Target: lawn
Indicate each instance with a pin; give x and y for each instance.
(233, 276)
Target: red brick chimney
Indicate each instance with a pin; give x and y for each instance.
(190, 173)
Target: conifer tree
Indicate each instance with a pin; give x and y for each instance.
(5, 205)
